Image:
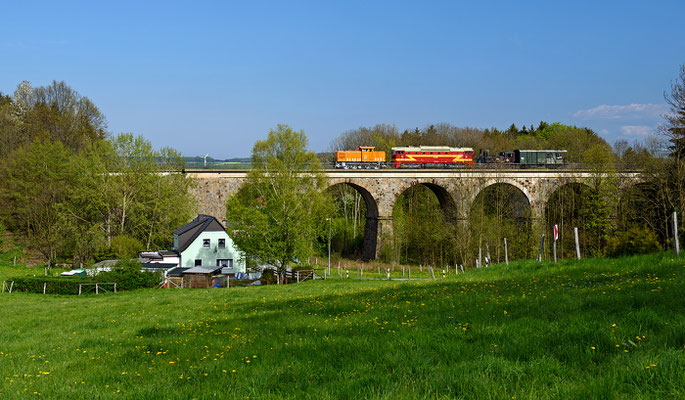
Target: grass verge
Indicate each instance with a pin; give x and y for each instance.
(603, 328)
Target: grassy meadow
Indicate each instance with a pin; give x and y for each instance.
(604, 328)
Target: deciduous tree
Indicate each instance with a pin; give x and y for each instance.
(281, 209)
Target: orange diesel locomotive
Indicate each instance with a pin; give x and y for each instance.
(363, 157)
(431, 156)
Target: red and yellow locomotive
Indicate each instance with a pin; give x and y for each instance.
(431, 156)
(405, 157)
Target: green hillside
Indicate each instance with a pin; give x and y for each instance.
(605, 328)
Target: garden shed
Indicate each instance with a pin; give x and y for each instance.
(200, 277)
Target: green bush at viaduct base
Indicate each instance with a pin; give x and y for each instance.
(127, 275)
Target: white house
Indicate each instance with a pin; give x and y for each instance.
(204, 242)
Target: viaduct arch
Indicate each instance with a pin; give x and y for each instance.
(456, 191)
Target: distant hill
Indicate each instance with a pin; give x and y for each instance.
(200, 159)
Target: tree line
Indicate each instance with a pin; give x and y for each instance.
(545, 136)
(74, 193)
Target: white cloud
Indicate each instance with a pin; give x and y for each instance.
(606, 111)
(637, 130)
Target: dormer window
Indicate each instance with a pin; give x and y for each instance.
(206, 243)
(222, 243)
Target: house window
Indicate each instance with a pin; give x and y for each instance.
(198, 263)
(222, 243)
(205, 243)
(228, 262)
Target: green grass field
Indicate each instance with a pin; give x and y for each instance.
(592, 329)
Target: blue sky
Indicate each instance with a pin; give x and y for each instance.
(213, 77)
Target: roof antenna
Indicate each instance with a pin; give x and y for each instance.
(205, 158)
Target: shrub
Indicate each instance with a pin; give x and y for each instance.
(636, 240)
(104, 253)
(53, 285)
(128, 275)
(268, 276)
(125, 246)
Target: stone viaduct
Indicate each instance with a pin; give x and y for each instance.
(456, 191)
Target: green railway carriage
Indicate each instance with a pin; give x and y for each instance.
(539, 158)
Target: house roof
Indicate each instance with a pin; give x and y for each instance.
(105, 263)
(176, 272)
(190, 231)
(202, 270)
(159, 265)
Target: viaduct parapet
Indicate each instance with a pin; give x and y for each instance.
(456, 191)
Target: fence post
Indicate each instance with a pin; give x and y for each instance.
(388, 273)
(676, 242)
(79, 289)
(96, 288)
(542, 244)
(44, 286)
(575, 236)
(506, 254)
